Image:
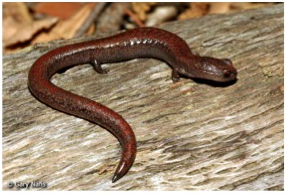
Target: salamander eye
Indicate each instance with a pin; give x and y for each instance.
(226, 73)
(227, 61)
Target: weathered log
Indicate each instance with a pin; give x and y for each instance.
(191, 135)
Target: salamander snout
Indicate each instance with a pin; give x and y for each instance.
(219, 70)
(230, 72)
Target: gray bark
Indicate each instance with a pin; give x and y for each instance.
(190, 135)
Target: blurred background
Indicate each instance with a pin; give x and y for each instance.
(25, 24)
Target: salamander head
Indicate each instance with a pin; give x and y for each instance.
(219, 70)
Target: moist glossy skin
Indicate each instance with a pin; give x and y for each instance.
(137, 43)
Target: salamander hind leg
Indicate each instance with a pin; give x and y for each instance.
(175, 76)
(98, 67)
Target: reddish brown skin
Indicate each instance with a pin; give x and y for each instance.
(137, 43)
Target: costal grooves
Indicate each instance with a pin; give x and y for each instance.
(137, 43)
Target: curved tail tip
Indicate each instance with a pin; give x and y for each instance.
(115, 178)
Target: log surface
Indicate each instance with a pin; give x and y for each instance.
(190, 135)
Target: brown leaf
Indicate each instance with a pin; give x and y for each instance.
(216, 8)
(67, 28)
(196, 10)
(141, 9)
(55, 9)
(18, 26)
(20, 33)
(18, 11)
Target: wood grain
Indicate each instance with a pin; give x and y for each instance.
(191, 135)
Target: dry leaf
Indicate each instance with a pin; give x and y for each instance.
(141, 9)
(19, 33)
(18, 26)
(18, 11)
(195, 10)
(247, 5)
(55, 9)
(161, 14)
(67, 28)
(216, 8)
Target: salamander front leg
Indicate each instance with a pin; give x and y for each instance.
(98, 67)
(175, 76)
